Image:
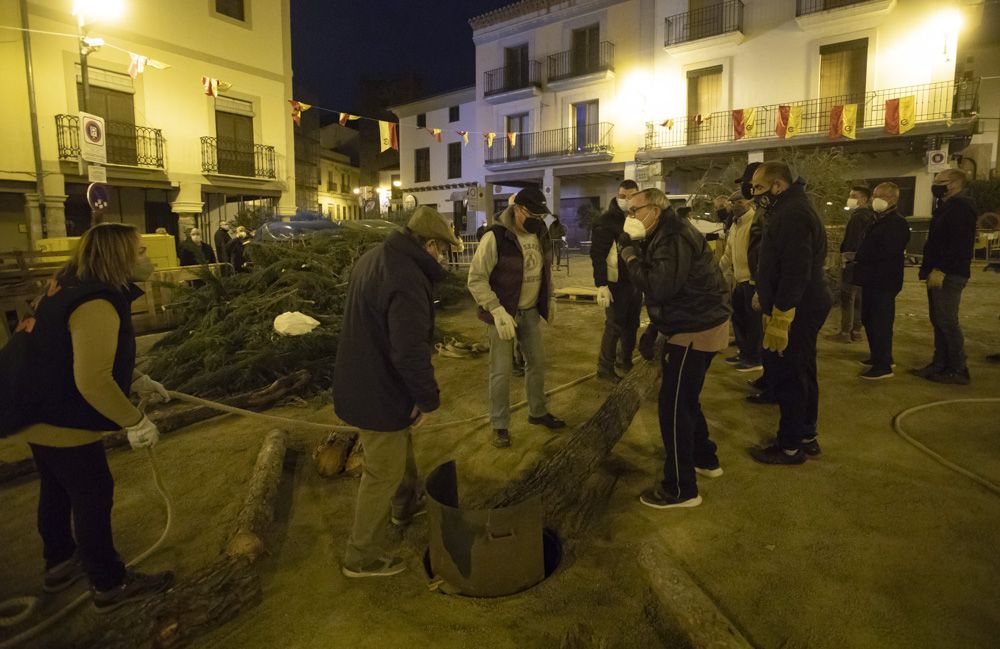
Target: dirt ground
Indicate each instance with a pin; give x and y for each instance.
(873, 545)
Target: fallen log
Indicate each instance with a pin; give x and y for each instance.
(258, 507)
(174, 416)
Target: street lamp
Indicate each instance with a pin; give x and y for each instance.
(86, 12)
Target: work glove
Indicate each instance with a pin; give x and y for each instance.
(504, 322)
(776, 329)
(150, 390)
(647, 343)
(143, 435)
(552, 312)
(604, 297)
(935, 279)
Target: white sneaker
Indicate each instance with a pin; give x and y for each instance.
(709, 473)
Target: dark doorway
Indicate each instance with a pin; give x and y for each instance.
(158, 215)
(578, 215)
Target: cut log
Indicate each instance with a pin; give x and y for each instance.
(330, 457)
(174, 416)
(258, 507)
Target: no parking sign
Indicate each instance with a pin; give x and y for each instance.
(98, 198)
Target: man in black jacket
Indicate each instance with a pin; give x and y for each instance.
(688, 302)
(794, 301)
(851, 302)
(194, 251)
(946, 265)
(621, 301)
(383, 380)
(221, 239)
(878, 270)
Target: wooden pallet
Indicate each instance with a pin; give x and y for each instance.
(576, 294)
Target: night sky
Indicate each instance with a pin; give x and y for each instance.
(335, 42)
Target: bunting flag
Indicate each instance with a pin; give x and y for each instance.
(789, 118)
(489, 139)
(900, 114)
(849, 121)
(436, 132)
(744, 123)
(512, 138)
(389, 135)
(836, 121)
(667, 123)
(344, 117)
(213, 87)
(465, 136)
(137, 64)
(297, 109)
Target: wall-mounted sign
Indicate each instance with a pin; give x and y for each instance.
(937, 160)
(98, 198)
(93, 146)
(97, 174)
(410, 202)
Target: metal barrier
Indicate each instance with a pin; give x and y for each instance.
(512, 77)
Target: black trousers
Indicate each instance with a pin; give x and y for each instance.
(77, 488)
(792, 377)
(682, 423)
(878, 313)
(621, 322)
(746, 323)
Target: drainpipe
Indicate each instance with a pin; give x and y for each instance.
(29, 72)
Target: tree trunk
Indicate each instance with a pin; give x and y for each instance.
(258, 507)
(174, 416)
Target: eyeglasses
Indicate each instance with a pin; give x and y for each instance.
(632, 211)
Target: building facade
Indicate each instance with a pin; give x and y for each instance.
(338, 187)
(177, 157)
(602, 90)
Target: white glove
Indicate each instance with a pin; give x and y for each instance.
(551, 320)
(143, 435)
(604, 297)
(151, 390)
(504, 323)
(634, 228)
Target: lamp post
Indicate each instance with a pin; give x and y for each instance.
(87, 11)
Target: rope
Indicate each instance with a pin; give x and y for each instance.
(898, 427)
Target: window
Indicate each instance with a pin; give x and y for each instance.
(422, 120)
(843, 68)
(234, 143)
(515, 63)
(331, 184)
(232, 8)
(517, 124)
(453, 114)
(586, 50)
(704, 97)
(345, 183)
(585, 121)
(454, 159)
(117, 109)
(422, 165)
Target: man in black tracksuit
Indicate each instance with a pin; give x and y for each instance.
(946, 267)
(621, 301)
(688, 302)
(795, 301)
(878, 270)
(383, 380)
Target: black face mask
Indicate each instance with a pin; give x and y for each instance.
(766, 200)
(747, 190)
(939, 190)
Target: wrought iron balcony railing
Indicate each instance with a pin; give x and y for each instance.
(582, 60)
(127, 144)
(932, 102)
(714, 20)
(570, 141)
(223, 155)
(806, 7)
(512, 77)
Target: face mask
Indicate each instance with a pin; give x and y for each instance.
(142, 269)
(196, 238)
(765, 200)
(852, 203)
(622, 203)
(634, 227)
(939, 190)
(747, 190)
(880, 205)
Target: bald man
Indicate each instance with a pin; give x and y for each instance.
(946, 267)
(878, 270)
(794, 301)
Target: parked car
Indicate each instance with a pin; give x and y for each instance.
(292, 230)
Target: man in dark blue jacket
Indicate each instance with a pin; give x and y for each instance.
(946, 267)
(794, 301)
(878, 270)
(383, 380)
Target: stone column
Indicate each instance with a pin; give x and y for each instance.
(187, 206)
(551, 186)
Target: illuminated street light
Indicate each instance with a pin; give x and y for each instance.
(397, 183)
(356, 190)
(87, 12)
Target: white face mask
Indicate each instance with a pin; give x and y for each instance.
(852, 203)
(880, 205)
(622, 203)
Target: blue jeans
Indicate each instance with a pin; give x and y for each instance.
(943, 303)
(529, 338)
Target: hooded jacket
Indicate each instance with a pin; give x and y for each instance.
(676, 270)
(383, 366)
(497, 268)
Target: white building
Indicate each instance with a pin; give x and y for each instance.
(338, 180)
(176, 157)
(602, 90)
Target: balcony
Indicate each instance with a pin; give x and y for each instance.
(719, 24)
(816, 14)
(581, 66)
(230, 157)
(939, 108)
(127, 144)
(571, 144)
(513, 82)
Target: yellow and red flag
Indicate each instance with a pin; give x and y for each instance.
(489, 139)
(388, 136)
(512, 138)
(787, 124)
(298, 108)
(836, 121)
(849, 121)
(465, 136)
(744, 123)
(345, 117)
(436, 132)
